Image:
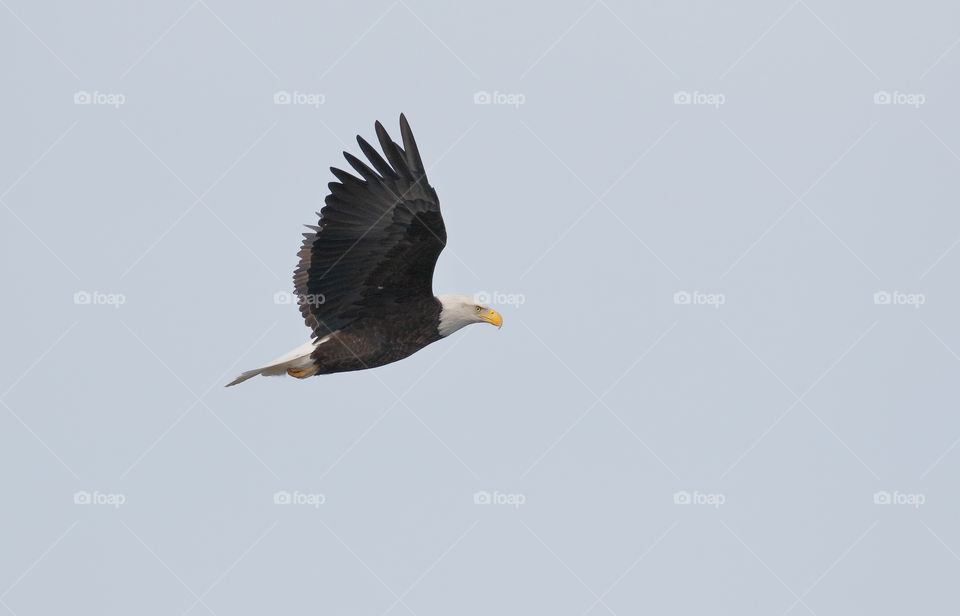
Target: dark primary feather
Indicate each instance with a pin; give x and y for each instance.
(377, 242)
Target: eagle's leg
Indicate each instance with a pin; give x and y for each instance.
(303, 373)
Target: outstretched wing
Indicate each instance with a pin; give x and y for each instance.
(377, 241)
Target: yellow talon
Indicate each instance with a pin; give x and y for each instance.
(302, 374)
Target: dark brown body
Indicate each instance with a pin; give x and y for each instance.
(369, 342)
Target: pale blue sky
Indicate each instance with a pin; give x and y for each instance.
(723, 239)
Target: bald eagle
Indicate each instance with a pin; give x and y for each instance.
(365, 279)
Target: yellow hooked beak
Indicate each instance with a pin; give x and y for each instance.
(493, 317)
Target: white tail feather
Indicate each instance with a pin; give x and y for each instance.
(298, 359)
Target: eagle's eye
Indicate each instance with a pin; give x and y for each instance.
(478, 308)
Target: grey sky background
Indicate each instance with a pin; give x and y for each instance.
(723, 239)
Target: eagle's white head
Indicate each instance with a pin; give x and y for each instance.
(460, 310)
